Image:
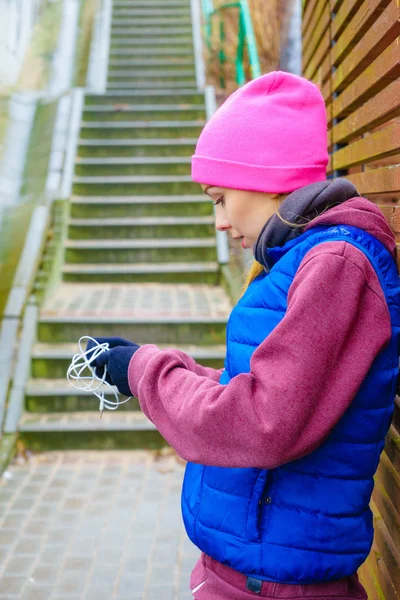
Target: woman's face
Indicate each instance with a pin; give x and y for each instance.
(243, 213)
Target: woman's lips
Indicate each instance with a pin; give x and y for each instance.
(243, 244)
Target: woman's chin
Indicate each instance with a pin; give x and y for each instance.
(247, 243)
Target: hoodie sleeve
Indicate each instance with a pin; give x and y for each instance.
(194, 367)
(302, 377)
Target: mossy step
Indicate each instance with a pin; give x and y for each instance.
(140, 206)
(160, 313)
(152, 97)
(143, 125)
(141, 160)
(140, 129)
(158, 21)
(139, 147)
(137, 200)
(151, 73)
(179, 43)
(132, 166)
(147, 80)
(143, 269)
(131, 112)
(134, 184)
(87, 431)
(85, 421)
(141, 63)
(144, 221)
(152, 4)
(159, 53)
(142, 331)
(127, 37)
(157, 12)
(129, 28)
(100, 210)
(145, 86)
(54, 395)
(117, 169)
(51, 361)
(134, 252)
(167, 63)
(132, 179)
(134, 40)
(98, 245)
(124, 107)
(141, 227)
(201, 354)
(173, 272)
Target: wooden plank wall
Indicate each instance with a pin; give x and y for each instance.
(351, 49)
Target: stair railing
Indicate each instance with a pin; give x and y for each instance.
(245, 37)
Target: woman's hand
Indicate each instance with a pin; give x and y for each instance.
(116, 360)
(111, 341)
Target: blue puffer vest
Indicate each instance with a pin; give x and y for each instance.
(309, 520)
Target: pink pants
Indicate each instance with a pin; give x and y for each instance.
(211, 580)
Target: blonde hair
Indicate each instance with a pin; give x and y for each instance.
(256, 268)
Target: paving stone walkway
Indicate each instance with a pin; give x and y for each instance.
(94, 526)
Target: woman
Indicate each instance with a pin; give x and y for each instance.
(283, 442)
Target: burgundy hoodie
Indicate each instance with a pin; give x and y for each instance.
(302, 379)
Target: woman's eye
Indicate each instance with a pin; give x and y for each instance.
(219, 201)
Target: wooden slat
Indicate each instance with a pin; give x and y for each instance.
(391, 213)
(389, 161)
(370, 582)
(308, 13)
(375, 577)
(385, 545)
(376, 181)
(384, 69)
(389, 478)
(355, 29)
(308, 33)
(324, 71)
(396, 414)
(385, 29)
(380, 108)
(377, 145)
(388, 512)
(317, 58)
(326, 92)
(335, 5)
(392, 447)
(343, 16)
(316, 35)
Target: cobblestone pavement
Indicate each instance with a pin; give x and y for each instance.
(94, 526)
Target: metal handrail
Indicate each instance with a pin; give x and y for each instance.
(245, 37)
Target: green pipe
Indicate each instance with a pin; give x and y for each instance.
(245, 36)
(251, 39)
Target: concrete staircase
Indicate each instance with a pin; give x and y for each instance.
(140, 254)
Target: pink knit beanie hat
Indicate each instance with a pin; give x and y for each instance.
(270, 135)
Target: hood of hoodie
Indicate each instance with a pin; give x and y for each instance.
(362, 213)
(329, 202)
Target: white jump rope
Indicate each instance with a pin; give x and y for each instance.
(81, 362)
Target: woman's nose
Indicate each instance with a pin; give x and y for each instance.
(222, 225)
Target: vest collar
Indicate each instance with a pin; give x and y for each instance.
(273, 255)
